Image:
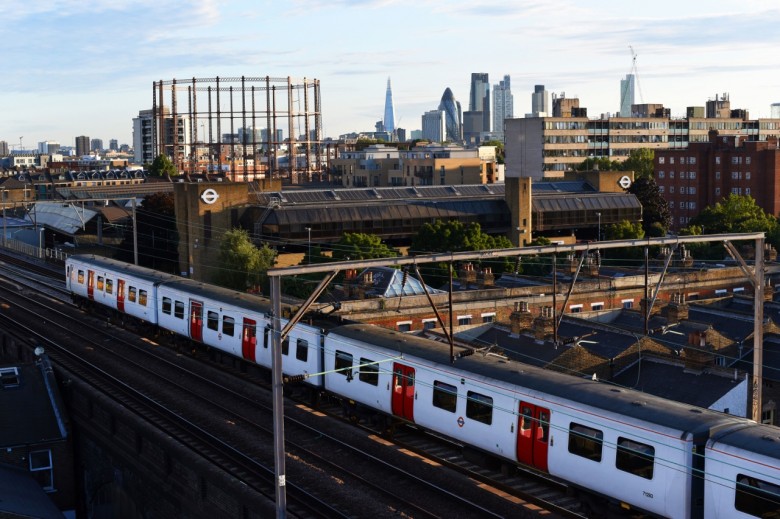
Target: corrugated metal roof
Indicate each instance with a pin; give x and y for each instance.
(65, 218)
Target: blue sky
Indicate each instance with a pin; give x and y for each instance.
(86, 67)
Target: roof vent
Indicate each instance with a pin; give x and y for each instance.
(9, 377)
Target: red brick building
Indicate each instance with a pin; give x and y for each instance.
(707, 172)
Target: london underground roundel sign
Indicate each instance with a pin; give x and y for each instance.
(624, 182)
(209, 196)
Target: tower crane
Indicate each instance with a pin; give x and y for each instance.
(635, 74)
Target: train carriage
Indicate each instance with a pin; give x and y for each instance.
(124, 287)
(743, 474)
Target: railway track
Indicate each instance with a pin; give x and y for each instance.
(353, 461)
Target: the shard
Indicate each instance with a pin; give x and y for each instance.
(389, 120)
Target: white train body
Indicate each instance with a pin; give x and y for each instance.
(631, 447)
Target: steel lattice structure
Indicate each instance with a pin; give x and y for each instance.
(242, 121)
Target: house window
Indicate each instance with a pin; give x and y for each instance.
(464, 320)
(747, 175)
(671, 204)
(717, 160)
(717, 191)
(42, 469)
(671, 174)
(597, 306)
(445, 396)
(692, 175)
(717, 175)
(628, 303)
(661, 160)
(489, 318)
(429, 324)
(575, 309)
(404, 326)
(660, 174)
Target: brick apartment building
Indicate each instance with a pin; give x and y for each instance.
(707, 172)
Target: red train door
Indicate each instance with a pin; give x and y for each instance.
(403, 391)
(196, 321)
(533, 432)
(120, 295)
(249, 339)
(91, 284)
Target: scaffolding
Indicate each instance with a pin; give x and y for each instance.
(227, 111)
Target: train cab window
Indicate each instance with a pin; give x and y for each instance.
(109, 286)
(167, 303)
(479, 407)
(212, 320)
(585, 441)
(445, 396)
(142, 297)
(228, 325)
(635, 458)
(344, 363)
(757, 497)
(302, 350)
(369, 372)
(100, 283)
(178, 309)
(131, 294)
(81, 277)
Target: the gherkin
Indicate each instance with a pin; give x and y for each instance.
(452, 116)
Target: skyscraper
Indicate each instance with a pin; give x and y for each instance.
(82, 145)
(452, 116)
(433, 125)
(389, 111)
(540, 102)
(627, 95)
(502, 105)
(479, 98)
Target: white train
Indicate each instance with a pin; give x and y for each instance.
(615, 445)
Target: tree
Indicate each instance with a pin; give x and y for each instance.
(162, 166)
(357, 246)
(640, 161)
(241, 264)
(600, 163)
(500, 155)
(157, 235)
(656, 218)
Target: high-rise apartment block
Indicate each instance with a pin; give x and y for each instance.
(709, 171)
(48, 147)
(433, 128)
(82, 145)
(389, 120)
(502, 105)
(540, 102)
(627, 86)
(3, 148)
(547, 146)
(479, 98)
(175, 135)
(113, 145)
(96, 145)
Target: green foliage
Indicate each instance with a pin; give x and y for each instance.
(600, 163)
(241, 264)
(640, 161)
(625, 230)
(359, 246)
(454, 236)
(656, 217)
(500, 155)
(162, 166)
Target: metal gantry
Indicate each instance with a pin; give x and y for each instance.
(756, 276)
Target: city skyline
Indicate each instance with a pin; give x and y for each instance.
(85, 68)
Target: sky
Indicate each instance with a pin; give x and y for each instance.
(86, 67)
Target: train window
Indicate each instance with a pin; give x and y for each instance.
(302, 350)
(228, 325)
(142, 297)
(757, 497)
(445, 396)
(266, 334)
(212, 320)
(166, 305)
(585, 441)
(369, 372)
(100, 283)
(634, 457)
(528, 418)
(286, 346)
(131, 292)
(109, 286)
(178, 309)
(479, 407)
(81, 277)
(344, 363)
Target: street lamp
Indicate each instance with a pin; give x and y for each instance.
(309, 231)
(598, 237)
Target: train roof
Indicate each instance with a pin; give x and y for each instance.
(753, 437)
(242, 300)
(601, 395)
(146, 274)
